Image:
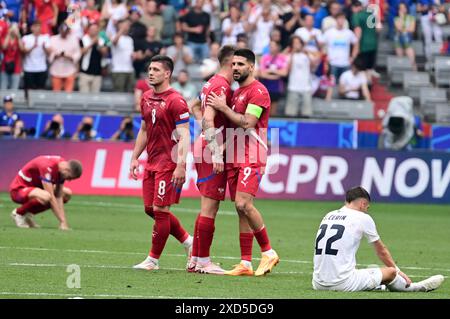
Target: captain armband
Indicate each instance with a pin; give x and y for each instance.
(255, 110)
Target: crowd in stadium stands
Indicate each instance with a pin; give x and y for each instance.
(305, 48)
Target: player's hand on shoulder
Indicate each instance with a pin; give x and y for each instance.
(217, 102)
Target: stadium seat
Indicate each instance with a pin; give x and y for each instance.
(45, 100)
(385, 48)
(413, 81)
(443, 112)
(343, 109)
(18, 97)
(445, 31)
(396, 66)
(442, 70)
(429, 98)
(420, 52)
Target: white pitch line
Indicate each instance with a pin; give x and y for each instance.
(46, 294)
(184, 256)
(163, 268)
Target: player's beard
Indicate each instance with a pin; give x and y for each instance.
(240, 77)
(155, 83)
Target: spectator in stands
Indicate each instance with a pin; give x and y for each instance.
(140, 88)
(93, 50)
(152, 18)
(19, 130)
(334, 8)
(35, 50)
(445, 50)
(242, 41)
(8, 116)
(138, 30)
(113, 11)
(405, 26)
(170, 21)
(312, 37)
(211, 64)
(85, 130)
(122, 52)
(366, 31)
(430, 27)
(184, 86)
(232, 26)
(339, 41)
(145, 50)
(323, 86)
(125, 133)
(196, 23)
(353, 83)
(11, 64)
(262, 28)
(47, 14)
(65, 53)
(54, 129)
(180, 53)
(90, 14)
(298, 99)
(272, 70)
(290, 20)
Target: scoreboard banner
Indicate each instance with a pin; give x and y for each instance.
(292, 173)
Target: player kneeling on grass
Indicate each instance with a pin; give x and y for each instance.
(337, 242)
(39, 186)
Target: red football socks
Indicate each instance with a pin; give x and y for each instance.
(32, 206)
(196, 239)
(161, 231)
(176, 230)
(246, 243)
(263, 239)
(205, 233)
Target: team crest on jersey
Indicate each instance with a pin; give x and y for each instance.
(163, 104)
(221, 190)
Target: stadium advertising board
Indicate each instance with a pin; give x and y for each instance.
(294, 173)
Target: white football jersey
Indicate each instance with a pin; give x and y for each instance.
(337, 242)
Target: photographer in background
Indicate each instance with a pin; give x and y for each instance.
(85, 131)
(19, 131)
(125, 132)
(54, 129)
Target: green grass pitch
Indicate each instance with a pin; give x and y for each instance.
(111, 234)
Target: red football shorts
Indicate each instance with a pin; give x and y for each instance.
(244, 179)
(18, 191)
(158, 189)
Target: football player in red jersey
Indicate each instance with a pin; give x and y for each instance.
(164, 133)
(39, 186)
(250, 112)
(208, 157)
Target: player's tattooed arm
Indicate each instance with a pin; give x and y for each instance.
(195, 109)
(211, 136)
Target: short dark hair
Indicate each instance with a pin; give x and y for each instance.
(246, 53)
(164, 60)
(76, 168)
(358, 63)
(225, 53)
(356, 193)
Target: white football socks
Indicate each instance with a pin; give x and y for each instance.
(399, 284)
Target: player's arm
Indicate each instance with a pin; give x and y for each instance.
(195, 109)
(56, 203)
(385, 256)
(211, 138)
(139, 147)
(247, 120)
(179, 174)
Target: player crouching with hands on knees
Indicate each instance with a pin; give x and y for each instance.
(38, 186)
(337, 242)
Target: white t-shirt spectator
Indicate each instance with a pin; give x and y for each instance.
(122, 61)
(338, 44)
(261, 36)
(330, 23)
(177, 55)
(300, 73)
(352, 82)
(36, 60)
(308, 38)
(235, 30)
